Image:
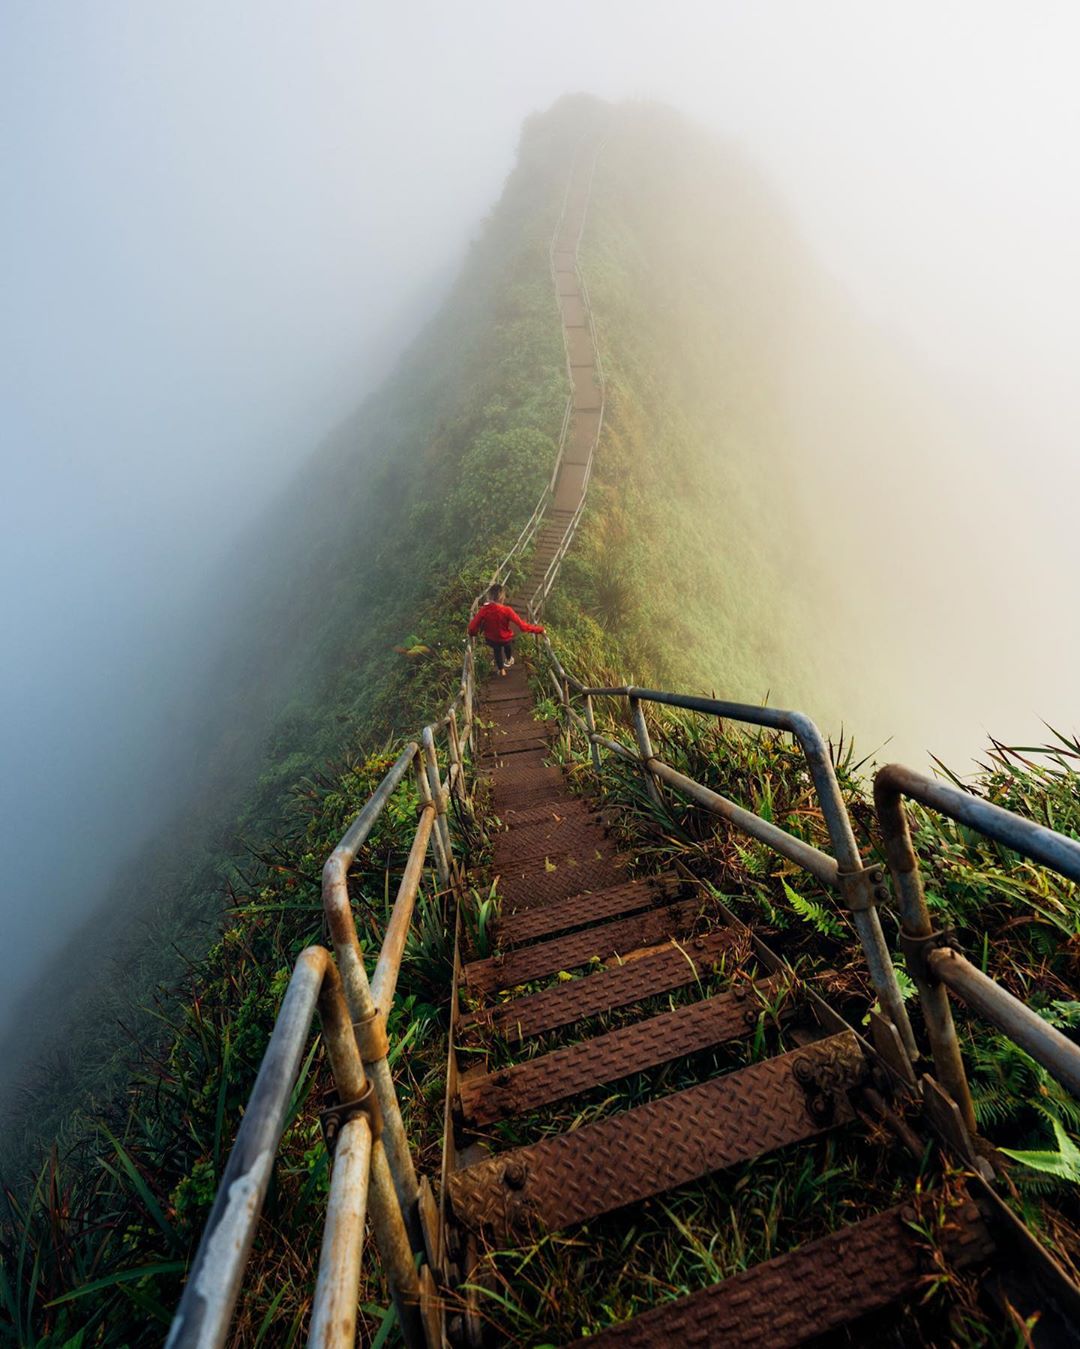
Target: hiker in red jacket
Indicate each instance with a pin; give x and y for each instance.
(495, 619)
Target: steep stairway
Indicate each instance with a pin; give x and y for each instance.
(586, 379)
(602, 980)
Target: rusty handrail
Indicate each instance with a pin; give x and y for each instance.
(860, 887)
(360, 1184)
(933, 964)
(373, 1170)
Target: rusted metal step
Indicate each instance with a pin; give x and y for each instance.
(814, 1289)
(487, 1097)
(545, 920)
(661, 1145)
(585, 834)
(565, 808)
(532, 884)
(647, 975)
(529, 777)
(546, 958)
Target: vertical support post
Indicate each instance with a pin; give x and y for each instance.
(645, 749)
(438, 856)
(590, 722)
(470, 687)
(917, 934)
(358, 1152)
(865, 920)
(431, 760)
(457, 785)
(565, 695)
(369, 1027)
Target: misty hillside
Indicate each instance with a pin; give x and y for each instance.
(696, 567)
(376, 546)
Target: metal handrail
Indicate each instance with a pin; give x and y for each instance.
(935, 965)
(373, 1167)
(859, 886)
(536, 600)
(360, 1183)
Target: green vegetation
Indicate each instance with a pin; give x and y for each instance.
(352, 635)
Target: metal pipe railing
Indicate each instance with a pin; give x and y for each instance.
(933, 966)
(859, 886)
(216, 1274)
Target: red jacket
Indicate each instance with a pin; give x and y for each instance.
(495, 619)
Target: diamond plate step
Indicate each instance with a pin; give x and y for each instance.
(565, 808)
(583, 834)
(651, 973)
(817, 1288)
(546, 920)
(544, 881)
(487, 1097)
(657, 1147)
(527, 963)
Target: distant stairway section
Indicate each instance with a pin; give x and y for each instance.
(585, 414)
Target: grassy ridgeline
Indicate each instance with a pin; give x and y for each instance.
(677, 577)
(376, 548)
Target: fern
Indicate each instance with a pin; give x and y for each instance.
(1062, 1162)
(810, 911)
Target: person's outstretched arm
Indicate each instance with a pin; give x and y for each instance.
(525, 627)
(474, 625)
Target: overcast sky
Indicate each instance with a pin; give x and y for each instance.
(221, 221)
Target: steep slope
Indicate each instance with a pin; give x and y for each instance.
(374, 550)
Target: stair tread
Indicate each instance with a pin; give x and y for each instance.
(658, 970)
(816, 1288)
(488, 1097)
(655, 1147)
(528, 963)
(545, 920)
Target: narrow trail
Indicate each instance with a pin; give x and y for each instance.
(586, 376)
(571, 906)
(656, 1128)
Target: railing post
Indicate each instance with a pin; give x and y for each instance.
(916, 936)
(645, 749)
(442, 865)
(431, 760)
(470, 687)
(369, 1026)
(457, 784)
(565, 694)
(360, 1169)
(590, 722)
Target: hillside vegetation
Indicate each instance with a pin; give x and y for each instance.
(352, 634)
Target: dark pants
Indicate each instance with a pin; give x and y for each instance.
(501, 652)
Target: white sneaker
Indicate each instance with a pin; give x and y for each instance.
(509, 662)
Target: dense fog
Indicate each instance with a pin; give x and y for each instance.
(222, 222)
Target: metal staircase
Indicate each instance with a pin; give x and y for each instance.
(602, 976)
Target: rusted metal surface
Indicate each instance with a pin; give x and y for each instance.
(546, 920)
(582, 835)
(653, 1148)
(649, 974)
(545, 880)
(604, 940)
(931, 964)
(819, 1287)
(561, 808)
(607, 1058)
(334, 1305)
